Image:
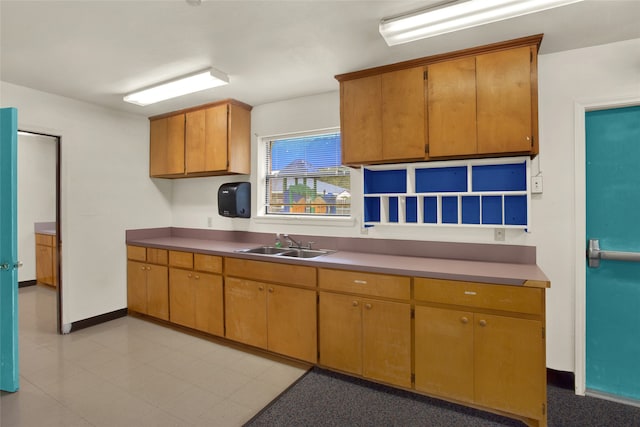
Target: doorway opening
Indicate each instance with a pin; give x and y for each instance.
(39, 211)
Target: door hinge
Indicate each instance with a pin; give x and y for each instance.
(426, 148)
(425, 75)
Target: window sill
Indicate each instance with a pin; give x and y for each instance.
(305, 220)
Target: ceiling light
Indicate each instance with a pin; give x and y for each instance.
(189, 84)
(458, 16)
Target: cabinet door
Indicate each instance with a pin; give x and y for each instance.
(44, 264)
(403, 114)
(166, 148)
(181, 297)
(386, 331)
(208, 310)
(444, 352)
(292, 328)
(137, 286)
(510, 364)
(246, 311)
(206, 140)
(340, 332)
(504, 101)
(158, 291)
(451, 98)
(361, 120)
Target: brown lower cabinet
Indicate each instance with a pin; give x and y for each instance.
(366, 337)
(46, 259)
(471, 343)
(473, 354)
(278, 318)
(195, 291)
(365, 327)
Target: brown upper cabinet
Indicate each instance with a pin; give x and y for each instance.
(476, 102)
(212, 139)
(383, 117)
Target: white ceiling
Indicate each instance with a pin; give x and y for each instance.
(97, 51)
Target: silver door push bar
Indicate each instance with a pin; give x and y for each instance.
(594, 254)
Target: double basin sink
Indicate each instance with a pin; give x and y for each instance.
(286, 252)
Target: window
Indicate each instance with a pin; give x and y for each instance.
(304, 176)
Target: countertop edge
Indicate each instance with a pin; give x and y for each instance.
(526, 275)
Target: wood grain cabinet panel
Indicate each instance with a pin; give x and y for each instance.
(366, 337)
(148, 282)
(212, 139)
(196, 300)
(471, 103)
(451, 94)
(505, 101)
(166, 149)
(361, 123)
(46, 259)
(383, 117)
(474, 355)
(278, 318)
(148, 289)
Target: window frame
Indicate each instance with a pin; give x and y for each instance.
(261, 189)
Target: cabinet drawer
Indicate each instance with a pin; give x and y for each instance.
(271, 272)
(44, 239)
(356, 282)
(181, 259)
(137, 253)
(157, 256)
(496, 297)
(208, 263)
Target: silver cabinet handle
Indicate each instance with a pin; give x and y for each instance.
(594, 254)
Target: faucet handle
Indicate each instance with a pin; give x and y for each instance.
(309, 245)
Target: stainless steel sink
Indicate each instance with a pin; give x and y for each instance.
(288, 252)
(265, 250)
(306, 253)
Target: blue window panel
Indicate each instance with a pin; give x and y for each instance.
(441, 180)
(411, 209)
(449, 210)
(471, 210)
(515, 210)
(387, 181)
(393, 209)
(492, 210)
(430, 205)
(508, 177)
(372, 209)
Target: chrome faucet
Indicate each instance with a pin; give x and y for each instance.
(293, 243)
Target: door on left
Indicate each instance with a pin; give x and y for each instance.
(9, 374)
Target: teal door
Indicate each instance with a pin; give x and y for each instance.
(613, 285)
(9, 378)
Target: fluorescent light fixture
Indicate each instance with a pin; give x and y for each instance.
(458, 15)
(188, 84)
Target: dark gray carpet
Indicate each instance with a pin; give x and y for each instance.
(324, 398)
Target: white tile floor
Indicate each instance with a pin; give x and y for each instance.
(130, 372)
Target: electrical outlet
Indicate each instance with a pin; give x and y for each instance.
(498, 234)
(536, 185)
(209, 221)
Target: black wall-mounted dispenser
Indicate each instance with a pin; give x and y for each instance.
(234, 199)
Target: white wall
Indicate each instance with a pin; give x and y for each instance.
(36, 195)
(105, 190)
(600, 71)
